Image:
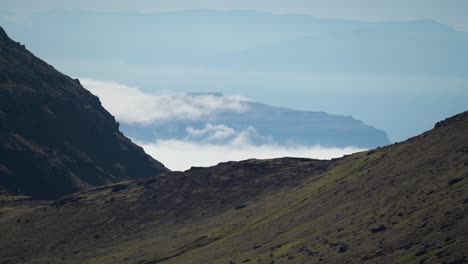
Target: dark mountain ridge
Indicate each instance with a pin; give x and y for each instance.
(404, 203)
(55, 137)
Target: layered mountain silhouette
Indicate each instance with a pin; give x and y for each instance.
(55, 137)
(245, 40)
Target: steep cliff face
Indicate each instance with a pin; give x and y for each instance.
(55, 137)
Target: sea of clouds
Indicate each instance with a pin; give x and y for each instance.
(133, 106)
(206, 146)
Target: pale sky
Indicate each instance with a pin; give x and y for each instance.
(450, 12)
(403, 106)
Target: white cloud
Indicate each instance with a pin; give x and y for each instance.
(205, 146)
(222, 134)
(211, 132)
(182, 154)
(133, 106)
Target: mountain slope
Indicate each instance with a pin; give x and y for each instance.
(405, 203)
(55, 137)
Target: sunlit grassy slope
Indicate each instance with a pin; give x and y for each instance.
(405, 203)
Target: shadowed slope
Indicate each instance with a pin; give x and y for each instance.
(55, 137)
(404, 203)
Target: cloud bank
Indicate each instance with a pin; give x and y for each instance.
(221, 134)
(177, 154)
(182, 154)
(211, 132)
(205, 146)
(133, 106)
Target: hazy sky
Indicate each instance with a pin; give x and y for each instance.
(451, 12)
(401, 104)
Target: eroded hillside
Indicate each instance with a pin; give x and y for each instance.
(405, 203)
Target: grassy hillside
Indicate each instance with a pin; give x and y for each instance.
(405, 203)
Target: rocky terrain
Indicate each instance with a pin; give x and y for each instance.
(55, 137)
(405, 203)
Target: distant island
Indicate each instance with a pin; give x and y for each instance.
(267, 124)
